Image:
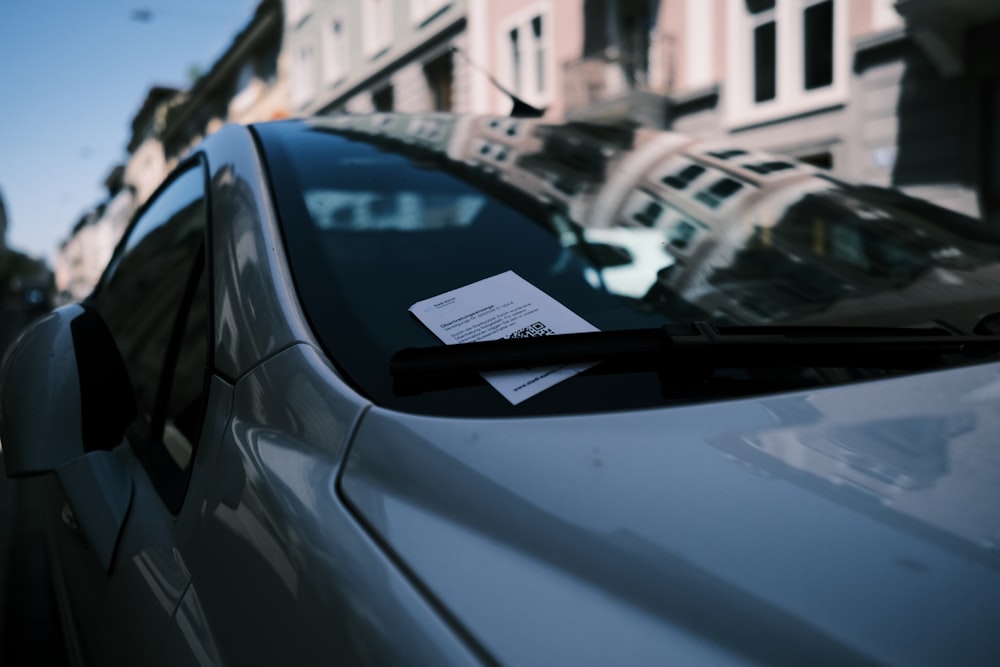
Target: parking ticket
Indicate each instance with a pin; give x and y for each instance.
(504, 306)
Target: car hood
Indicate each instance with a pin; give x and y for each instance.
(850, 525)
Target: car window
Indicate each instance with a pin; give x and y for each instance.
(374, 222)
(154, 298)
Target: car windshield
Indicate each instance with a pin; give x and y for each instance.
(626, 228)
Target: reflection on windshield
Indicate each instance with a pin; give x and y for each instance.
(679, 227)
(359, 210)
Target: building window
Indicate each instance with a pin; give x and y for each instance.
(440, 81)
(765, 50)
(769, 167)
(377, 17)
(636, 20)
(515, 61)
(382, 99)
(726, 154)
(526, 58)
(538, 50)
(718, 192)
(334, 51)
(683, 178)
(648, 216)
(787, 57)
(764, 62)
(303, 73)
(817, 44)
(823, 159)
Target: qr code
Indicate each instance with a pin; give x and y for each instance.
(532, 330)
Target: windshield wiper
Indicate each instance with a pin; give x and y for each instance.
(700, 345)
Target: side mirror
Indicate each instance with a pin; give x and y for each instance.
(64, 391)
(65, 401)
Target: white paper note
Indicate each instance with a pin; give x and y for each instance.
(504, 306)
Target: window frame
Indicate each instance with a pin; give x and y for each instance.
(535, 55)
(303, 77)
(699, 43)
(791, 96)
(171, 491)
(335, 49)
(377, 27)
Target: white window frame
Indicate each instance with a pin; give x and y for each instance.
(421, 10)
(335, 50)
(303, 83)
(377, 26)
(791, 97)
(699, 44)
(534, 92)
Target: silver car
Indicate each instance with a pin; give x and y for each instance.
(446, 390)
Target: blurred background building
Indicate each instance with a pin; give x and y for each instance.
(83, 256)
(25, 287)
(899, 93)
(3, 225)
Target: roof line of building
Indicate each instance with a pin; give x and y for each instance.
(267, 17)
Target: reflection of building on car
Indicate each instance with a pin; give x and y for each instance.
(909, 463)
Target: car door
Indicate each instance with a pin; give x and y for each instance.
(153, 298)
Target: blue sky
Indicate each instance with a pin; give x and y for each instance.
(72, 76)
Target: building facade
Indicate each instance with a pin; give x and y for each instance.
(3, 224)
(376, 55)
(248, 83)
(900, 94)
(83, 256)
(147, 162)
(525, 45)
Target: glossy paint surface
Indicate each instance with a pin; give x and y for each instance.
(141, 593)
(281, 571)
(255, 305)
(843, 526)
